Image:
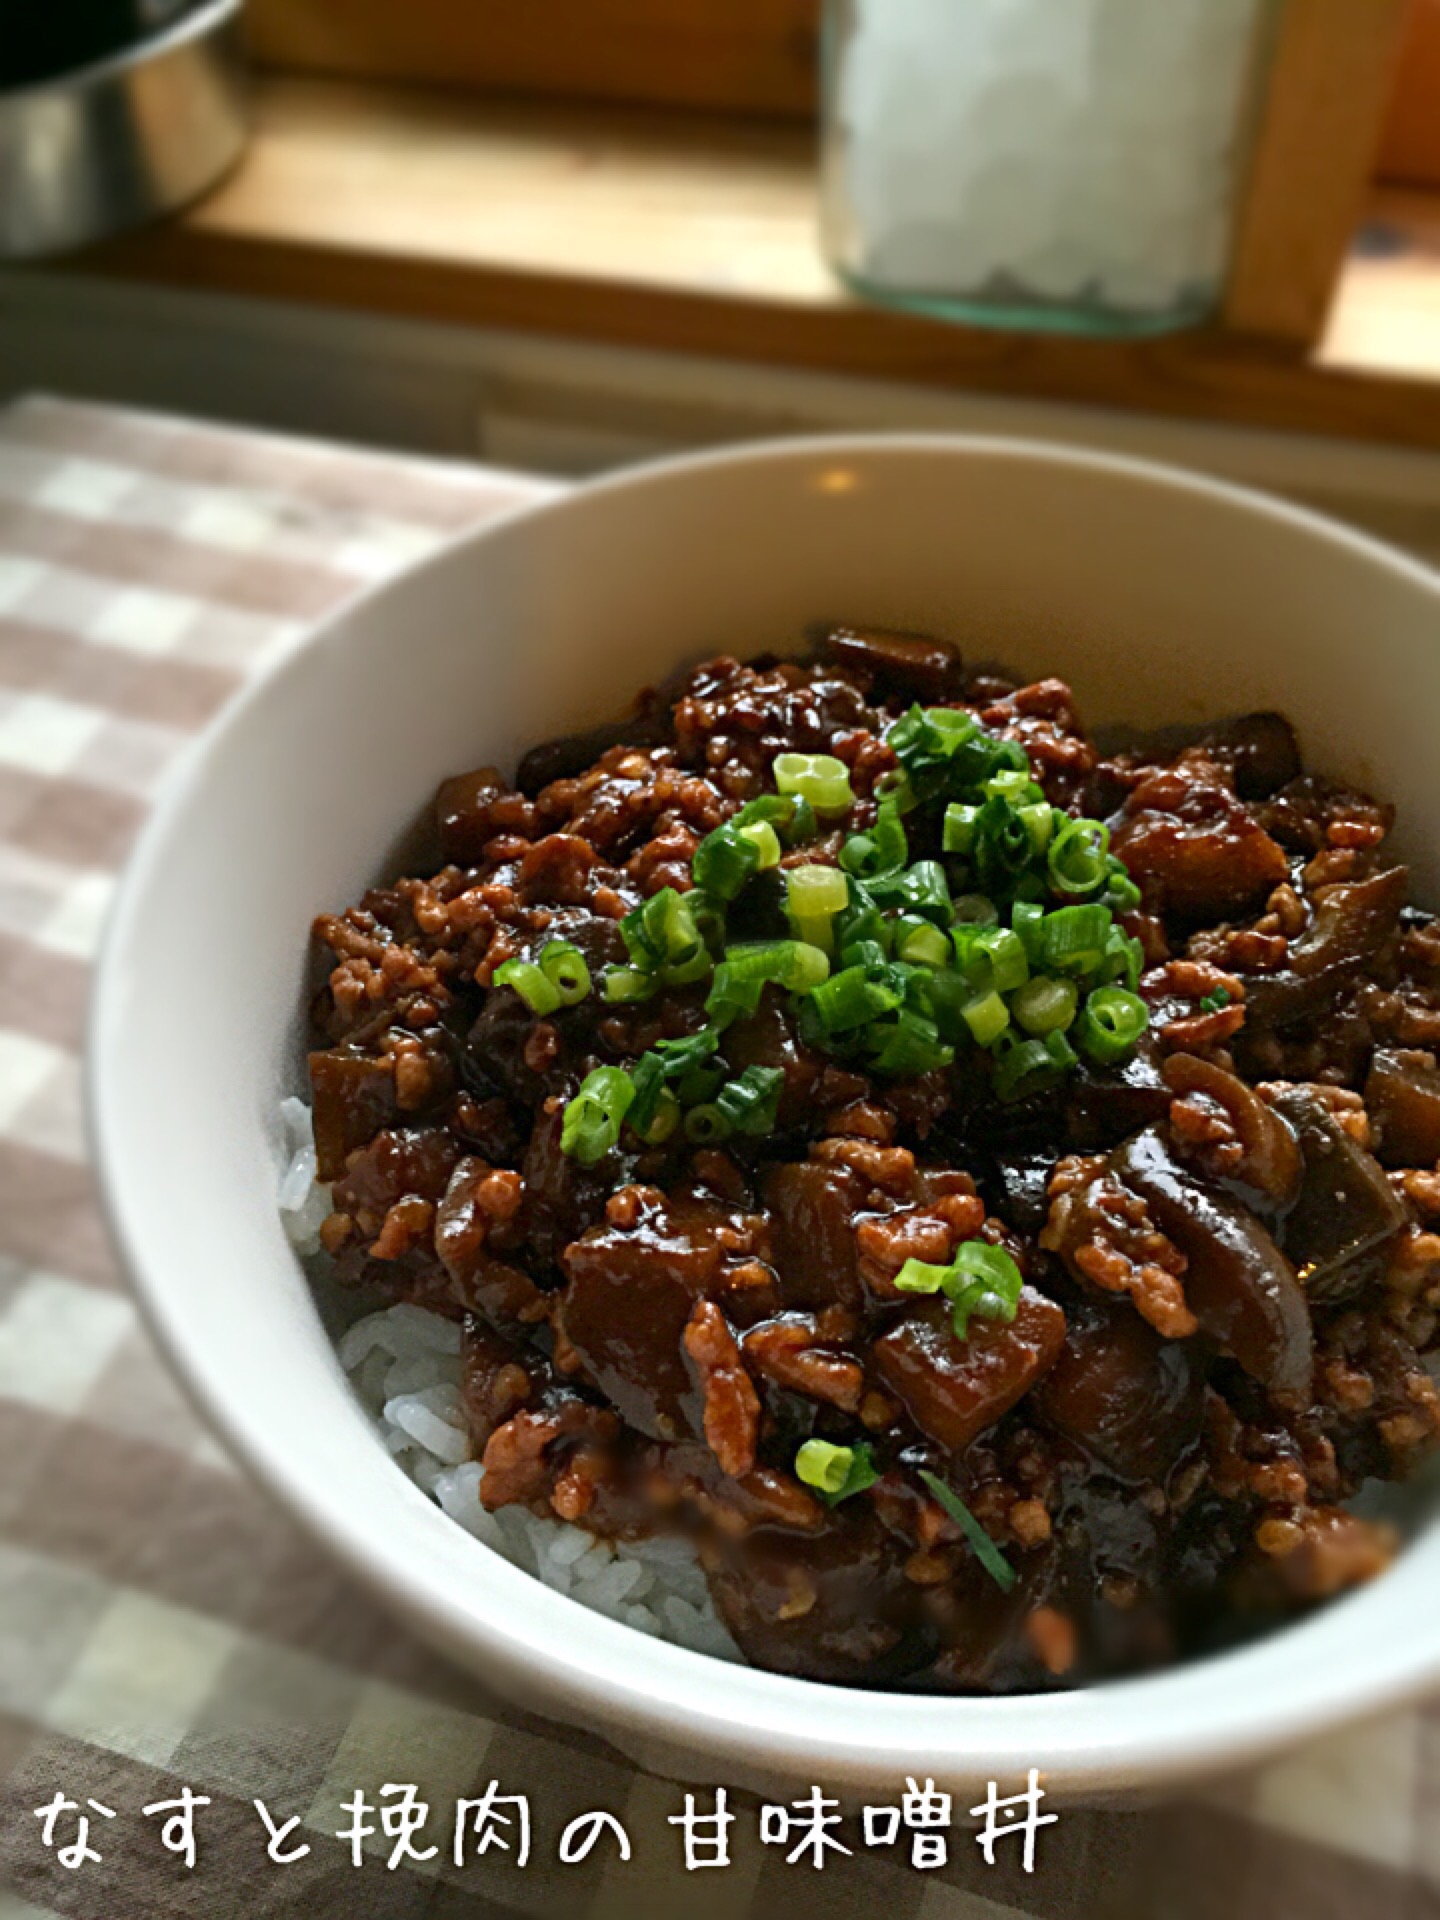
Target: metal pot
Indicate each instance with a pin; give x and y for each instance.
(126, 136)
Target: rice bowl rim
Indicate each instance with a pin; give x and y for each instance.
(1358, 1655)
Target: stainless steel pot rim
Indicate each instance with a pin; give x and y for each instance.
(192, 25)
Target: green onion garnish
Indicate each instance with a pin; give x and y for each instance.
(980, 1279)
(886, 970)
(563, 965)
(593, 1119)
(1029, 1066)
(923, 944)
(883, 850)
(816, 892)
(817, 777)
(1072, 939)
(706, 1125)
(957, 834)
(1111, 1021)
(851, 999)
(835, 1472)
(662, 931)
(975, 910)
(763, 837)
(725, 860)
(750, 1100)
(1121, 894)
(984, 1548)
(1044, 1005)
(534, 987)
(1214, 1002)
(628, 984)
(1077, 859)
(909, 1046)
(987, 1017)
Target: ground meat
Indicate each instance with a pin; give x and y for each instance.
(1106, 1235)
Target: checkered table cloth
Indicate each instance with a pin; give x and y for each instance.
(162, 1628)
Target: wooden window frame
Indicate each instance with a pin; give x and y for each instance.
(723, 56)
(1331, 84)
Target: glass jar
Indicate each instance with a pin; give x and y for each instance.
(1073, 165)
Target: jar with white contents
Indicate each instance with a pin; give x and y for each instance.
(1066, 164)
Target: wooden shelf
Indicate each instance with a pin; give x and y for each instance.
(698, 234)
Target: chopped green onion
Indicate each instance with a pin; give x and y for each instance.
(851, 999)
(1121, 894)
(986, 1016)
(1003, 847)
(647, 1077)
(662, 931)
(835, 1472)
(1013, 784)
(593, 1119)
(534, 987)
(816, 892)
(563, 965)
(1073, 938)
(883, 850)
(1045, 1005)
(792, 964)
(690, 1051)
(792, 817)
(1111, 1021)
(686, 972)
(818, 933)
(926, 891)
(1030, 1066)
(980, 1279)
(700, 1086)
(1025, 919)
(920, 1276)
(895, 785)
(733, 993)
(628, 983)
(763, 837)
(987, 1282)
(662, 1123)
(1039, 824)
(706, 1125)
(983, 1547)
(909, 1045)
(725, 860)
(1124, 958)
(1005, 951)
(749, 1101)
(924, 945)
(974, 910)
(957, 834)
(1212, 1003)
(817, 777)
(1077, 857)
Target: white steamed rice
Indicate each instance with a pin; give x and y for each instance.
(404, 1364)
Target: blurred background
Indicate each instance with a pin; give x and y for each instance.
(566, 236)
(454, 251)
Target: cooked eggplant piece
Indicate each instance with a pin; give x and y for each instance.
(954, 1389)
(1346, 1209)
(1129, 1397)
(1239, 1285)
(1262, 752)
(908, 663)
(1402, 1097)
(1267, 1156)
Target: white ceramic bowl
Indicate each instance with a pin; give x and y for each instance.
(1162, 598)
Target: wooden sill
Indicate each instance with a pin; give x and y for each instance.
(697, 235)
